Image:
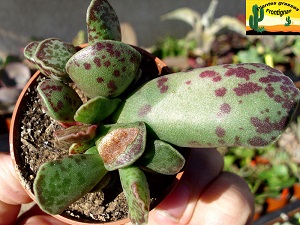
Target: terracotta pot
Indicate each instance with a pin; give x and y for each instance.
(5, 123)
(258, 212)
(296, 190)
(281, 215)
(8, 122)
(153, 67)
(277, 203)
(272, 204)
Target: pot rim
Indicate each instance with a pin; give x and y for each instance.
(162, 70)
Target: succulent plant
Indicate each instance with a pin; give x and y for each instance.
(228, 105)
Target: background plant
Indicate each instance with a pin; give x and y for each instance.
(267, 170)
(13, 77)
(204, 27)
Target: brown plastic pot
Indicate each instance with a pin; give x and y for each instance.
(150, 65)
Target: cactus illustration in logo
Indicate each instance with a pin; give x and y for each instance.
(288, 21)
(255, 18)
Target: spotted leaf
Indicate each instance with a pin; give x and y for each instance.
(102, 22)
(162, 157)
(76, 134)
(96, 109)
(136, 190)
(51, 56)
(58, 100)
(121, 145)
(54, 186)
(105, 68)
(29, 51)
(81, 147)
(227, 105)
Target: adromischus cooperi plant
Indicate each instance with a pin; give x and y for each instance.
(227, 105)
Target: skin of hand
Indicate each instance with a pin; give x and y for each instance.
(205, 195)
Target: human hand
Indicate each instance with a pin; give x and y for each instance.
(12, 195)
(205, 195)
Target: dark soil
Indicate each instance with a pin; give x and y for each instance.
(36, 146)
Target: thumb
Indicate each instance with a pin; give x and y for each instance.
(35, 216)
(206, 195)
(41, 220)
(203, 167)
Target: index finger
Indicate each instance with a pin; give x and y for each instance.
(11, 191)
(12, 194)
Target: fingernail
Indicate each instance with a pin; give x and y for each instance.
(174, 206)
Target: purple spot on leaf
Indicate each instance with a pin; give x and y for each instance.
(270, 91)
(107, 64)
(87, 66)
(117, 73)
(144, 110)
(257, 141)
(220, 132)
(220, 92)
(266, 126)
(240, 72)
(97, 61)
(100, 80)
(270, 79)
(278, 98)
(225, 108)
(161, 84)
(207, 73)
(211, 74)
(247, 88)
(112, 86)
(99, 46)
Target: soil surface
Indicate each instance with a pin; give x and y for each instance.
(36, 146)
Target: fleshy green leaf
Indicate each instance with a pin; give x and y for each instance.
(104, 182)
(51, 56)
(60, 183)
(227, 105)
(121, 144)
(162, 158)
(105, 68)
(102, 22)
(29, 51)
(92, 150)
(96, 109)
(81, 147)
(58, 100)
(76, 134)
(136, 190)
